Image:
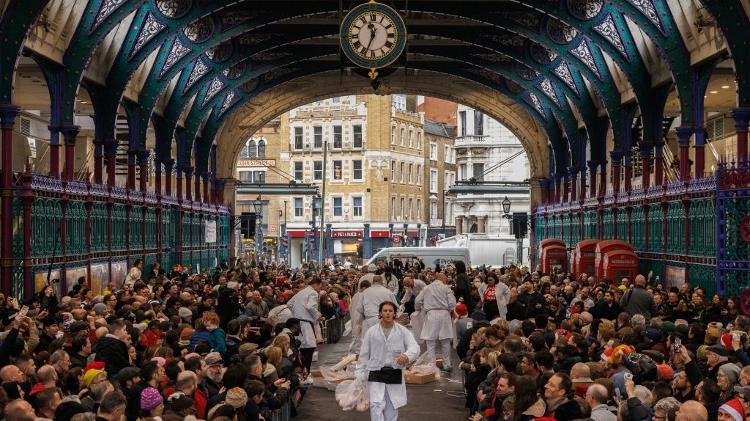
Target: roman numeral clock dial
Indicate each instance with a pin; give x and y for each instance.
(373, 36)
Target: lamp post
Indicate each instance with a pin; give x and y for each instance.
(258, 206)
(516, 231)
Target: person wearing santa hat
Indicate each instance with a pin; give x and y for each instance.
(732, 411)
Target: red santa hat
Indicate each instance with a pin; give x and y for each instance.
(735, 409)
(726, 340)
(461, 309)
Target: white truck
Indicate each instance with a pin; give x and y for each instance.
(487, 250)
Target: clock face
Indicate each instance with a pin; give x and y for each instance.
(373, 35)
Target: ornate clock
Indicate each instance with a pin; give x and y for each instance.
(373, 35)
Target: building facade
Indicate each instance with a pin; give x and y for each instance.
(440, 173)
(488, 154)
(374, 195)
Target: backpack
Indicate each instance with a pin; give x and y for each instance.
(642, 367)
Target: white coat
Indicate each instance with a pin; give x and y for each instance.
(304, 306)
(378, 352)
(436, 302)
(369, 306)
(414, 291)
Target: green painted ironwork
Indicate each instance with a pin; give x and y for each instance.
(736, 282)
(637, 228)
(675, 228)
(736, 211)
(655, 229)
(703, 228)
(17, 228)
(590, 226)
(98, 227)
(622, 225)
(607, 221)
(703, 276)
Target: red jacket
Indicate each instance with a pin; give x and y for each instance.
(149, 337)
(199, 401)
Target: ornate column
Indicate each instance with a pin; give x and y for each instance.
(110, 155)
(188, 177)
(131, 169)
(573, 183)
(54, 151)
(646, 166)
(168, 167)
(741, 117)
(602, 179)
(659, 164)
(220, 185)
(28, 202)
(628, 176)
(98, 161)
(582, 186)
(699, 146)
(157, 177)
(197, 188)
(143, 170)
(178, 182)
(566, 188)
(592, 177)
(683, 140)
(616, 157)
(8, 114)
(69, 134)
(206, 180)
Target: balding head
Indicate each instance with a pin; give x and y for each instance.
(377, 279)
(640, 281)
(11, 373)
(597, 393)
(692, 411)
(580, 371)
(46, 374)
(19, 410)
(408, 282)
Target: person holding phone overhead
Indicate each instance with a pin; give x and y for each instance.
(386, 349)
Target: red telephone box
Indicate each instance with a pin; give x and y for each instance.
(601, 250)
(553, 255)
(583, 257)
(620, 264)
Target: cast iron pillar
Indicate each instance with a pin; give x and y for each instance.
(206, 181)
(98, 161)
(602, 179)
(592, 177)
(645, 166)
(628, 177)
(168, 167)
(157, 177)
(683, 140)
(659, 164)
(178, 182)
(741, 117)
(566, 188)
(197, 187)
(700, 157)
(8, 114)
(131, 169)
(143, 170)
(616, 157)
(188, 178)
(366, 242)
(573, 184)
(110, 155)
(69, 134)
(54, 151)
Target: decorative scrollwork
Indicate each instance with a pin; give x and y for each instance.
(608, 29)
(560, 32)
(199, 70)
(563, 72)
(108, 7)
(173, 9)
(177, 52)
(585, 9)
(151, 27)
(200, 30)
(583, 53)
(647, 8)
(213, 89)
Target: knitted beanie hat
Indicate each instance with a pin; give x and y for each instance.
(735, 409)
(150, 399)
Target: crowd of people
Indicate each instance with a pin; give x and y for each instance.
(237, 344)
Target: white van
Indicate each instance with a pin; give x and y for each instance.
(430, 256)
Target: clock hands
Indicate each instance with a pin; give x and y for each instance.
(372, 34)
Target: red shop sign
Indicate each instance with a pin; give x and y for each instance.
(380, 234)
(346, 234)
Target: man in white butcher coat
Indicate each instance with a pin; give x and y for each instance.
(436, 302)
(356, 317)
(369, 305)
(304, 306)
(386, 345)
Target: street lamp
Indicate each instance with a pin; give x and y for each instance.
(506, 205)
(258, 207)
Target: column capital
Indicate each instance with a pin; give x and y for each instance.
(143, 156)
(592, 165)
(616, 157)
(110, 147)
(683, 134)
(69, 132)
(741, 118)
(8, 114)
(188, 170)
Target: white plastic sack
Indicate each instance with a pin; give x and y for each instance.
(343, 370)
(425, 364)
(352, 395)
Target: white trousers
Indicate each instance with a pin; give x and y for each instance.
(445, 352)
(383, 411)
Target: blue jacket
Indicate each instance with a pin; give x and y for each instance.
(218, 341)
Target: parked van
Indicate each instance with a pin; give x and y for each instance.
(430, 256)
